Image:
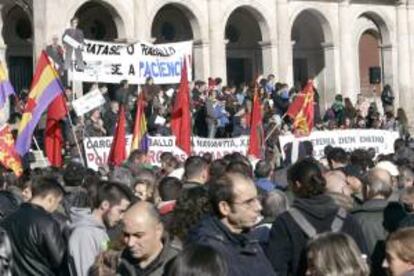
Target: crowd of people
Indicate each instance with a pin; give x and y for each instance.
(350, 213)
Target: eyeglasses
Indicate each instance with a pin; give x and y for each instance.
(249, 202)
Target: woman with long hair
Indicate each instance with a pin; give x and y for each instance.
(402, 123)
(334, 254)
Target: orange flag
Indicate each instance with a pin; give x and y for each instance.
(8, 155)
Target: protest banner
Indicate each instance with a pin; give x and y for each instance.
(88, 102)
(157, 145)
(109, 62)
(163, 61)
(380, 140)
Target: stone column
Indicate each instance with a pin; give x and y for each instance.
(269, 58)
(3, 45)
(404, 60)
(348, 68)
(410, 7)
(218, 64)
(284, 44)
(328, 85)
(40, 28)
(142, 28)
(201, 63)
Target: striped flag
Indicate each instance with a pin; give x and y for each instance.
(140, 136)
(46, 86)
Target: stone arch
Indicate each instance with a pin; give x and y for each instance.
(18, 36)
(257, 10)
(314, 52)
(191, 12)
(247, 35)
(378, 25)
(322, 19)
(117, 12)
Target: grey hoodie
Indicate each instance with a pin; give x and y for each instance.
(88, 238)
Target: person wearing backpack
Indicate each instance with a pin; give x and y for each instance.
(312, 212)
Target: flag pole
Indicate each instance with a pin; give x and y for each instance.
(39, 149)
(273, 129)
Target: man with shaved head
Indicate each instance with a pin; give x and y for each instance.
(236, 209)
(147, 248)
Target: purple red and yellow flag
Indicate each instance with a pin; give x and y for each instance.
(46, 86)
(6, 89)
(8, 155)
(139, 137)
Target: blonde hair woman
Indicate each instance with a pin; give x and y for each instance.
(400, 252)
(335, 254)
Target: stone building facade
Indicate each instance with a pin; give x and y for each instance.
(336, 42)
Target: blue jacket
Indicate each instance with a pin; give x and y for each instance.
(265, 184)
(243, 255)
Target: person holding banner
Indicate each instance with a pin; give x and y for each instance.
(73, 40)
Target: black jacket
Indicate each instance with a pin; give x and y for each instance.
(129, 266)
(242, 253)
(287, 241)
(37, 243)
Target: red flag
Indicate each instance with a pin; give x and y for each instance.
(181, 116)
(118, 151)
(302, 111)
(256, 130)
(53, 134)
(8, 155)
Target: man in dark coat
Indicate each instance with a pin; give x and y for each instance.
(287, 240)
(37, 242)
(237, 208)
(76, 34)
(147, 248)
(377, 188)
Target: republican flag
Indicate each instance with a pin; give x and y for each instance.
(301, 111)
(46, 86)
(117, 155)
(181, 115)
(6, 89)
(56, 112)
(8, 155)
(139, 136)
(256, 131)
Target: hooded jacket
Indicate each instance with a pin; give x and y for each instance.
(287, 241)
(88, 238)
(242, 253)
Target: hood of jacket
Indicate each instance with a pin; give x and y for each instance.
(318, 207)
(82, 217)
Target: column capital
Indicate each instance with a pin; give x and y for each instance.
(327, 45)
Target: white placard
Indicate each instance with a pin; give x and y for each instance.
(88, 102)
(72, 42)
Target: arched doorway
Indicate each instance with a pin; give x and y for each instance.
(175, 23)
(100, 21)
(370, 66)
(243, 51)
(171, 24)
(18, 36)
(374, 54)
(313, 54)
